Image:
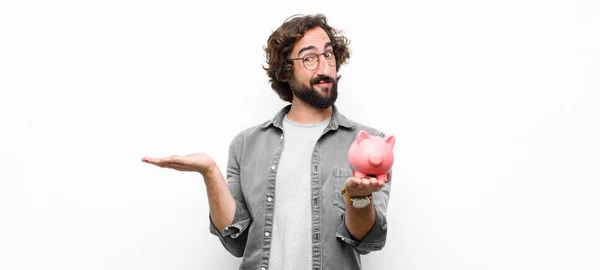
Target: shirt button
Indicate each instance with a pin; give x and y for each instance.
(267, 234)
(269, 199)
(263, 268)
(273, 168)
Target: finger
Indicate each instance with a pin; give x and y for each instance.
(369, 183)
(171, 158)
(352, 182)
(373, 181)
(175, 160)
(150, 160)
(157, 161)
(366, 183)
(378, 186)
(153, 162)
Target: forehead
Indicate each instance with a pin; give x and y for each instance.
(316, 37)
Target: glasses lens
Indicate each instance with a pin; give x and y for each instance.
(330, 58)
(311, 61)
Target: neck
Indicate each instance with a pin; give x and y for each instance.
(303, 113)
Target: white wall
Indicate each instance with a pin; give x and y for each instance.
(494, 105)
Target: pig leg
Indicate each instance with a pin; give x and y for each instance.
(359, 174)
(382, 176)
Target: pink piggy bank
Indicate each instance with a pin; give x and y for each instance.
(371, 155)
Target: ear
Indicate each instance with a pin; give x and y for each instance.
(286, 73)
(362, 135)
(391, 140)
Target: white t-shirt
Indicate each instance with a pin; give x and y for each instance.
(291, 244)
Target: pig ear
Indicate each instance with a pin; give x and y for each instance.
(362, 135)
(391, 140)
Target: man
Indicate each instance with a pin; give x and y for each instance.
(281, 205)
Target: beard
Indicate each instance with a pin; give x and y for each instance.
(311, 96)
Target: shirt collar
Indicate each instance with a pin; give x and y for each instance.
(337, 119)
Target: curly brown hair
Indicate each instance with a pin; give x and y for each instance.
(281, 43)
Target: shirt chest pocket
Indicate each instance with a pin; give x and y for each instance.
(338, 179)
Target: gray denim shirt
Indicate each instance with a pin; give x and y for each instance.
(251, 171)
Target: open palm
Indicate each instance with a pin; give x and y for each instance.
(196, 162)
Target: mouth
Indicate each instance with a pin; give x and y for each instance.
(323, 83)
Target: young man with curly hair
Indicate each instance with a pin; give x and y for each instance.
(280, 205)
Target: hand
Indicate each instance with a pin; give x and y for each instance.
(356, 186)
(197, 162)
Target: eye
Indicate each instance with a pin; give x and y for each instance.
(309, 58)
(328, 54)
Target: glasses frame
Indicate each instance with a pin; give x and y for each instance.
(318, 59)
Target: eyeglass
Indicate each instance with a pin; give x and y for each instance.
(311, 60)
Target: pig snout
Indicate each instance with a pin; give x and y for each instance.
(375, 159)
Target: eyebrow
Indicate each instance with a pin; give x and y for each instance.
(312, 47)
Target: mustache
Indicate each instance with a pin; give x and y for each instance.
(322, 78)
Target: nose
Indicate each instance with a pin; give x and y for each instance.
(376, 159)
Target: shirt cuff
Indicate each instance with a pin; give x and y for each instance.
(240, 223)
(373, 241)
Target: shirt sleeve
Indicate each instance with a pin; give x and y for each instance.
(234, 236)
(375, 239)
